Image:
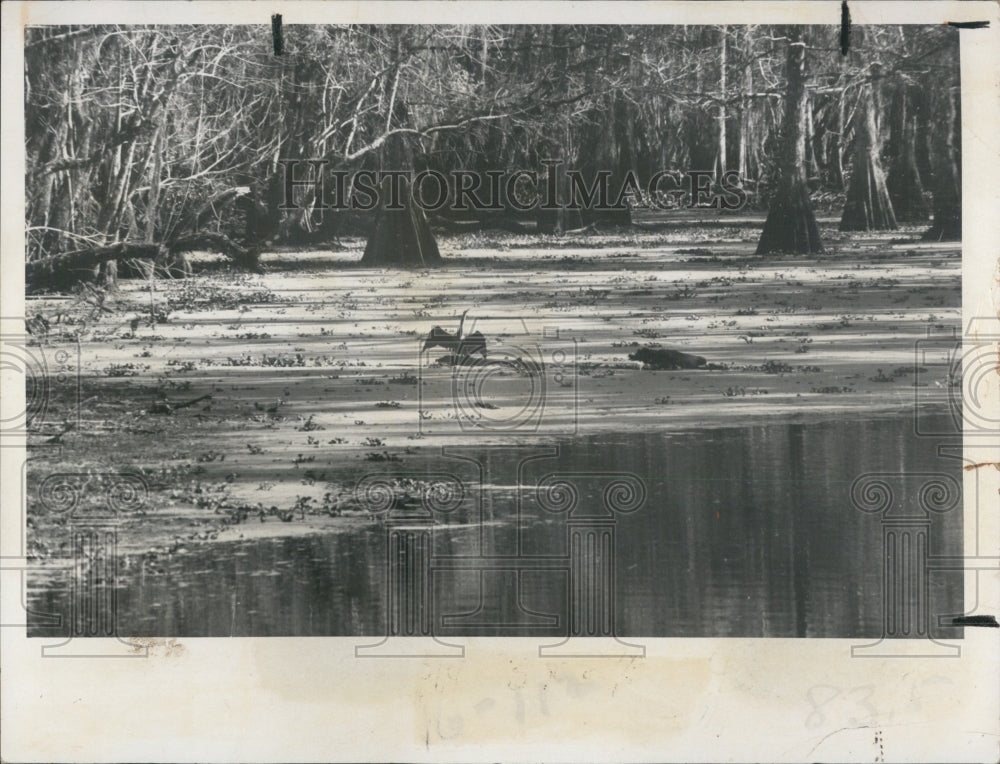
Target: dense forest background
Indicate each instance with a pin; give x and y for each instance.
(149, 141)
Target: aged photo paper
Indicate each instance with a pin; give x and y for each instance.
(500, 381)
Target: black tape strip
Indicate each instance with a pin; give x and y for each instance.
(276, 35)
(969, 24)
(988, 621)
(845, 28)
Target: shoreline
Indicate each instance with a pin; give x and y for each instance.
(233, 390)
(163, 539)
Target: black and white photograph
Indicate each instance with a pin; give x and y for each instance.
(577, 334)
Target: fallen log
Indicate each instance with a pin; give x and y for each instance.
(217, 242)
(54, 267)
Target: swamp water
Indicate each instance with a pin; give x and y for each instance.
(743, 532)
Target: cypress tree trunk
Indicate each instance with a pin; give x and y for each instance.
(400, 237)
(608, 142)
(566, 218)
(741, 160)
(720, 157)
(906, 191)
(868, 206)
(616, 142)
(562, 218)
(947, 225)
(837, 145)
(813, 173)
(791, 224)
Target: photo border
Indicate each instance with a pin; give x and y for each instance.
(310, 699)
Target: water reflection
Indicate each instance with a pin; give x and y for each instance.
(745, 532)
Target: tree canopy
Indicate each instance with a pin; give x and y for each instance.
(149, 134)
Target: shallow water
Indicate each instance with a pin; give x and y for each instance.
(744, 532)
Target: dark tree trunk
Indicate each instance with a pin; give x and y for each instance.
(262, 218)
(836, 157)
(921, 106)
(69, 267)
(623, 157)
(555, 217)
(400, 237)
(906, 191)
(107, 274)
(791, 224)
(615, 151)
(947, 225)
(607, 143)
(562, 218)
(868, 206)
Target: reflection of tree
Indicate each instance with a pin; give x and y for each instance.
(756, 535)
(746, 532)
